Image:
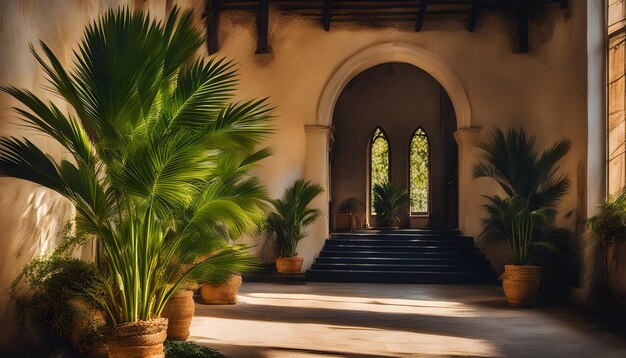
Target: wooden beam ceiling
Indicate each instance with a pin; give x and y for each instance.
(473, 15)
(263, 21)
(371, 12)
(421, 15)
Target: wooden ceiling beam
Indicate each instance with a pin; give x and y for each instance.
(326, 15)
(522, 26)
(473, 15)
(421, 15)
(211, 15)
(263, 20)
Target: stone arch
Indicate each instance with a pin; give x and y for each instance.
(394, 52)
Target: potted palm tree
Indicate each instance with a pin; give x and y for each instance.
(388, 199)
(286, 224)
(149, 123)
(524, 217)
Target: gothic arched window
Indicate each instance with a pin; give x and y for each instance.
(379, 161)
(419, 172)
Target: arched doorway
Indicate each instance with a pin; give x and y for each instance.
(318, 131)
(407, 110)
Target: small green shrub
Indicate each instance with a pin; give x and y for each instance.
(56, 295)
(175, 349)
(610, 223)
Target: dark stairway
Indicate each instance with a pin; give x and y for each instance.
(401, 256)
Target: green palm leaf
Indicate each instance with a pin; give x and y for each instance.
(161, 159)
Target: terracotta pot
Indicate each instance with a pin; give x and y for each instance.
(520, 284)
(292, 264)
(388, 224)
(179, 311)
(223, 293)
(141, 339)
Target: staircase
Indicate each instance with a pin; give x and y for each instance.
(401, 256)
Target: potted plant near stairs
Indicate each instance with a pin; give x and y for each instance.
(388, 199)
(286, 224)
(524, 217)
(347, 218)
(145, 136)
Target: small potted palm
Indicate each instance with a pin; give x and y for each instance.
(388, 199)
(286, 224)
(524, 218)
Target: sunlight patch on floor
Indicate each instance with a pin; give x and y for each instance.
(332, 338)
(380, 305)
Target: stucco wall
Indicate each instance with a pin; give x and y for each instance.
(544, 91)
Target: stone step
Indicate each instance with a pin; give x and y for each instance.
(437, 232)
(414, 268)
(479, 260)
(401, 248)
(474, 254)
(403, 243)
(421, 277)
(401, 237)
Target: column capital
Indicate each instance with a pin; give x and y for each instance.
(317, 129)
(467, 136)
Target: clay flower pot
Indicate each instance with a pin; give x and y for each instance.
(141, 339)
(222, 293)
(520, 284)
(292, 264)
(179, 311)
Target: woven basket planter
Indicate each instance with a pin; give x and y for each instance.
(223, 293)
(520, 284)
(179, 311)
(141, 339)
(291, 264)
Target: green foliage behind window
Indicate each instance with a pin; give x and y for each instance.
(418, 167)
(379, 162)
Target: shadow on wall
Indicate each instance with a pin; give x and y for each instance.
(31, 222)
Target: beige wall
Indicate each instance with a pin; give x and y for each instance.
(544, 91)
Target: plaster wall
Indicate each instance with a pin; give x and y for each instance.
(544, 91)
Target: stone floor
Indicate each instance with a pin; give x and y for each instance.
(377, 320)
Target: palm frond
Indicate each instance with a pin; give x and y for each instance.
(161, 159)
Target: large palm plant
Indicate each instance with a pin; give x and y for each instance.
(158, 156)
(292, 214)
(525, 216)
